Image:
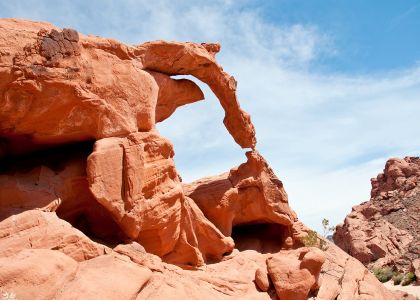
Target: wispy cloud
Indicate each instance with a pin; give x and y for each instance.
(399, 18)
(324, 133)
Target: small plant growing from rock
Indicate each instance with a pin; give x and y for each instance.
(409, 277)
(312, 240)
(327, 228)
(397, 277)
(383, 274)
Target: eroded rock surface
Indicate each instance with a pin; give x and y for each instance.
(55, 181)
(384, 231)
(250, 193)
(111, 219)
(135, 179)
(36, 273)
(344, 277)
(106, 277)
(296, 273)
(59, 86)
(199, 60)
(38, 229)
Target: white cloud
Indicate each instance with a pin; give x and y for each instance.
(331, 194)
(324, 133)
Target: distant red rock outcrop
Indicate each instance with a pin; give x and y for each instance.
(385, 231)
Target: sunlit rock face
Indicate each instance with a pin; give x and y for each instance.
(384, 231)
(91, 203)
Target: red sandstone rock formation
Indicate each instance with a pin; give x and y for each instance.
(37, 229)
(296, 273)
(91, 204)
(135, 179)
(250, 193)
(385, 230)
(59, 89)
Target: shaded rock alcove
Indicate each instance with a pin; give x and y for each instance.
(261, 237)
(53, 178)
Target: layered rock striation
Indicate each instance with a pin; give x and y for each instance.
(92, 206)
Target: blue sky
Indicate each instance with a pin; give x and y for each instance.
(332, 86)
(370, 35)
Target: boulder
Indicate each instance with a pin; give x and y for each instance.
(295, 272)
(262, 280)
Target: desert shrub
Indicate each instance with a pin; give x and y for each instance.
(312, 240)
(383, 274)
(408, 278)
(327, 228)
(397, 278)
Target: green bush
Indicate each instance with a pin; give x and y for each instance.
(383, 274)
(312, 240)
(397, 278)
(408, 278)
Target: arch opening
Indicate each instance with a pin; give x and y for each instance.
(202, 144)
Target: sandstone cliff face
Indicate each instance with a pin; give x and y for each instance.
(385, 230)
(92, 206)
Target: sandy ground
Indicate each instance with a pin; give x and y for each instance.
(411, 289)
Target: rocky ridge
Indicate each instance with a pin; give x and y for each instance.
(91, 202)
(384, 231)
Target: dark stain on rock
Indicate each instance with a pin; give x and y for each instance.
(56, 44)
